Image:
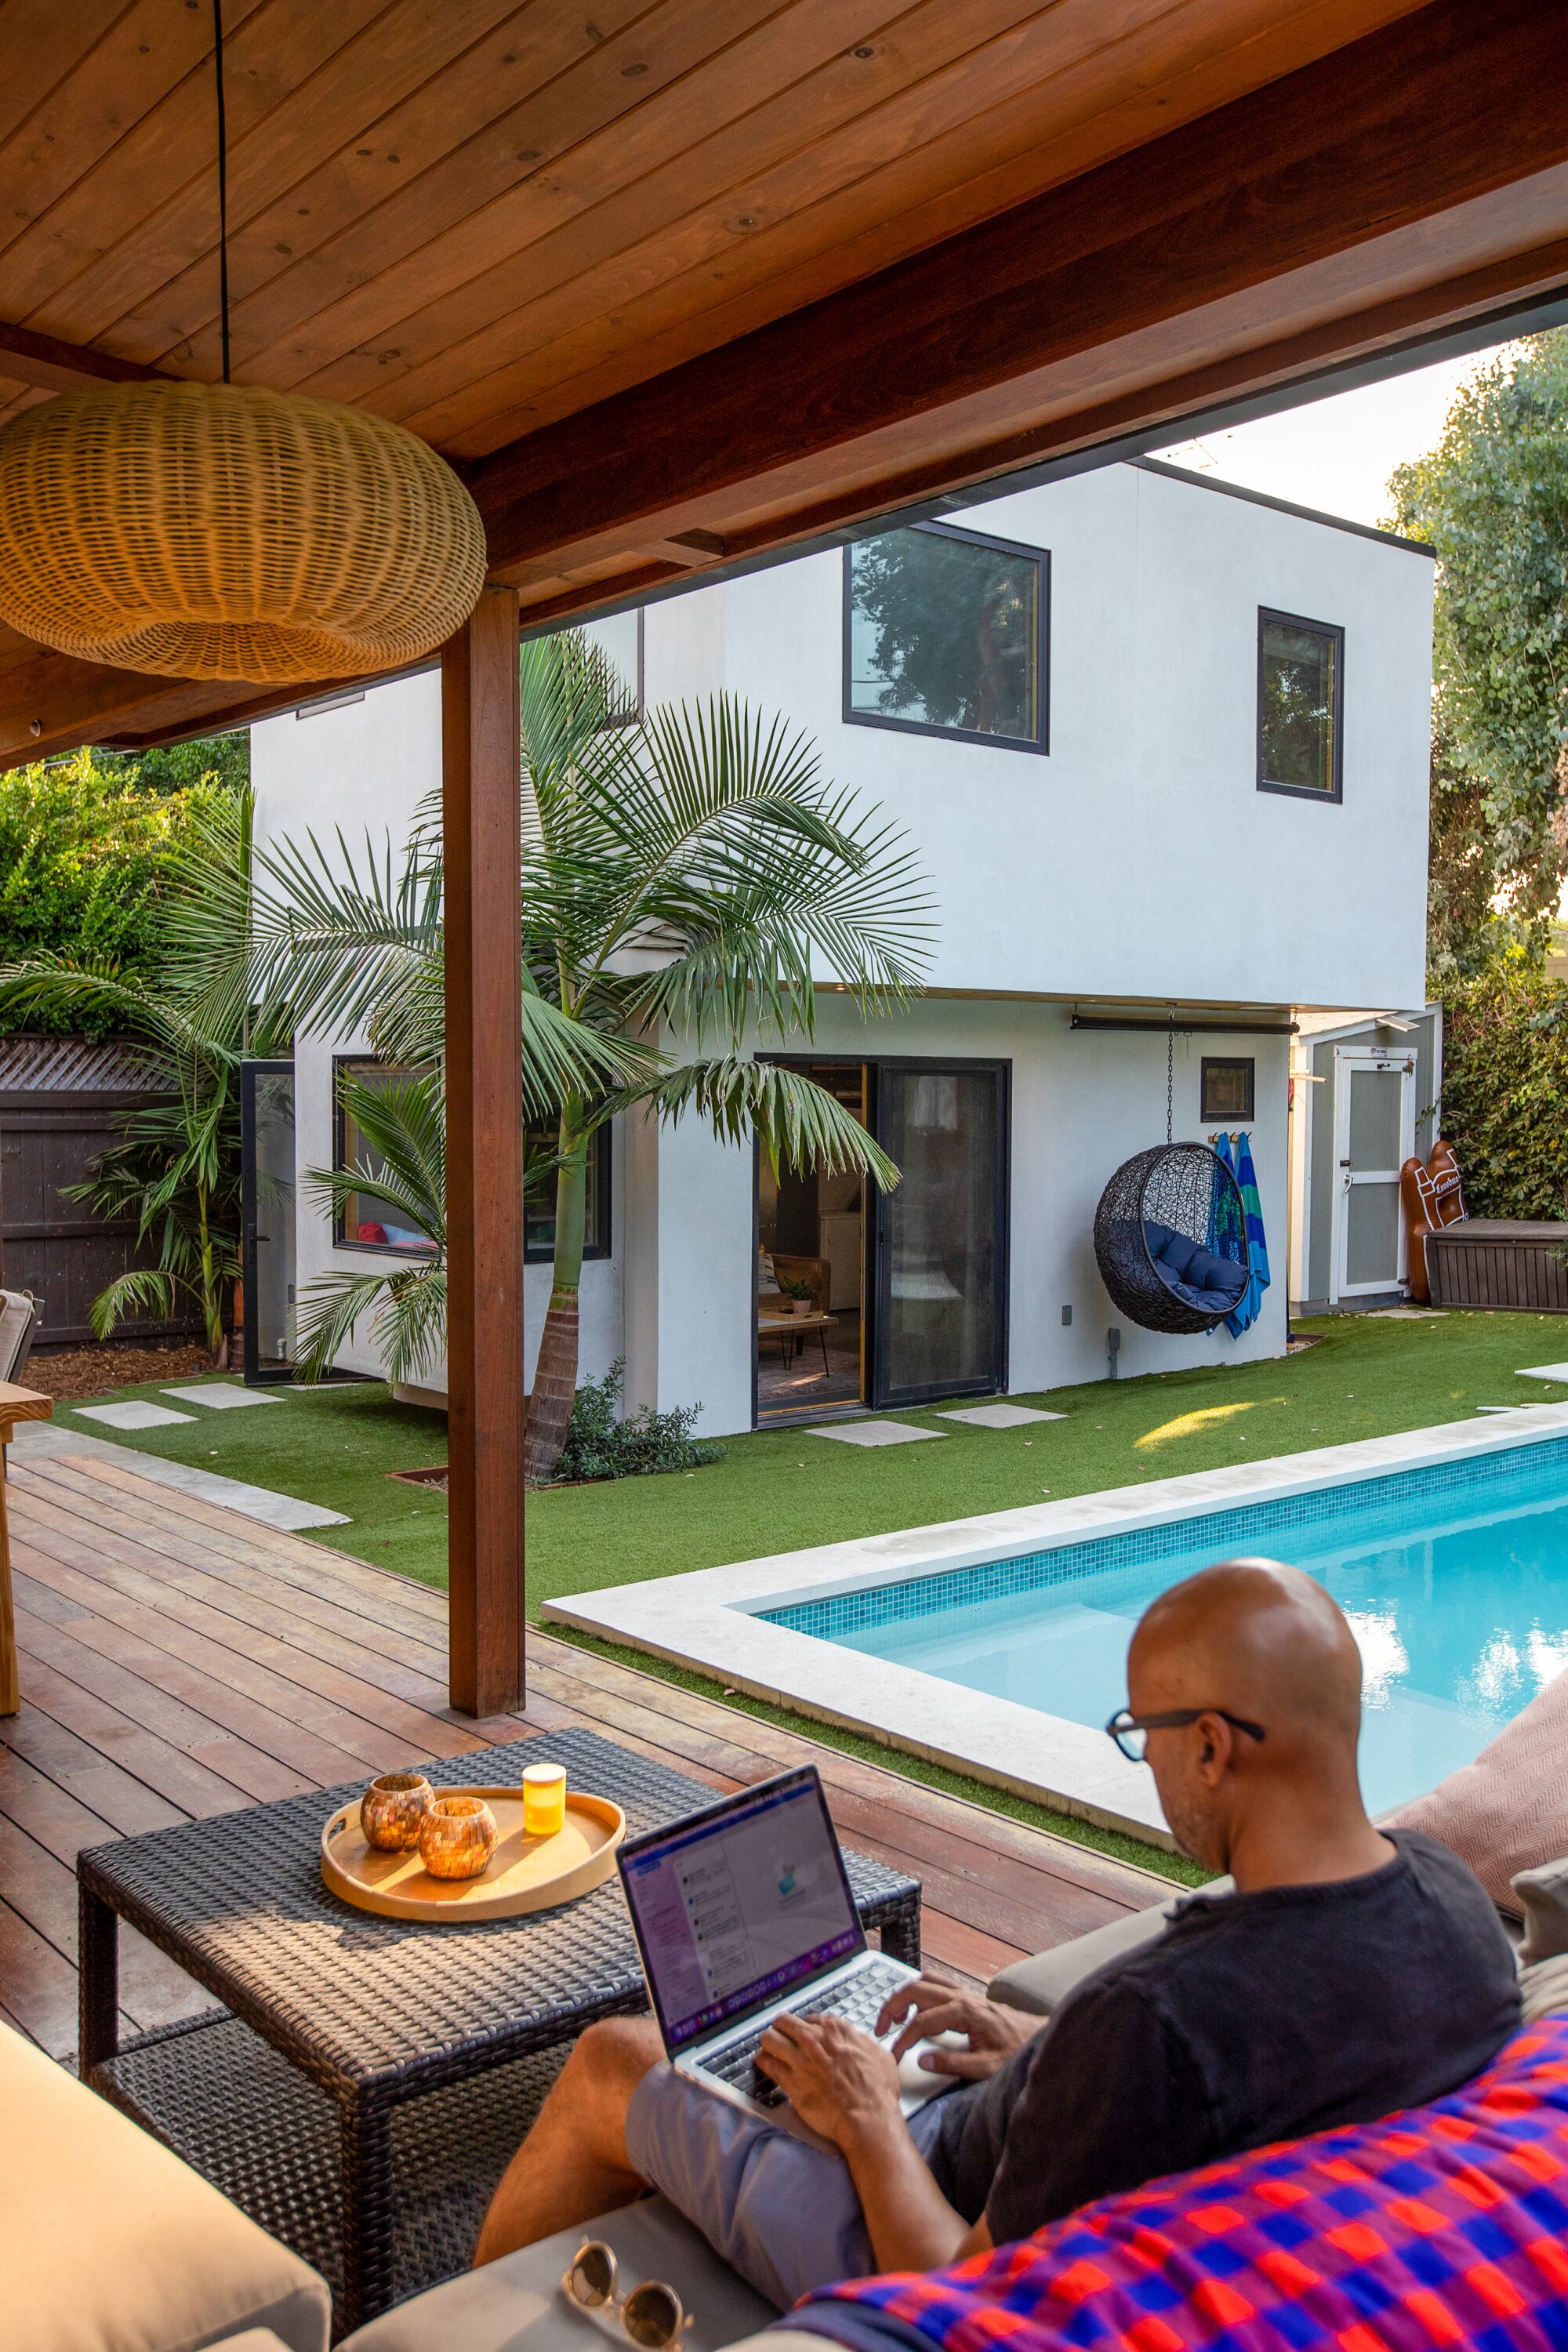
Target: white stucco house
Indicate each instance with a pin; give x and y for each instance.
(1167, 769)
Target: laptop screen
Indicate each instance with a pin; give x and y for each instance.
(736, 1904)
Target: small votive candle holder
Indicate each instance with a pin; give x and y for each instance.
(392, 1809)
(544, 1800)
(457, 1837)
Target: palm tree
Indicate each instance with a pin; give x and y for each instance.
(176, 1169)
(684, 878)
(404, 1126)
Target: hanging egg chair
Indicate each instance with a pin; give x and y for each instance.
(1170, 1235)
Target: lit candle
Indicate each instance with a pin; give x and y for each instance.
(544, 1800)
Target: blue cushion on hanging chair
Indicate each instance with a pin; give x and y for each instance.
(1224, 1275)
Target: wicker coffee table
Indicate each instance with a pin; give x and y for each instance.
(366, 2080)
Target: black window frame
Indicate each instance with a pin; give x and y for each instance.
(596, 1245)
(633, 715)
(1040, 743)
(1267, 612)
(352, 1064)
(1216, 1062)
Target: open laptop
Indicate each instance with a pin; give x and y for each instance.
(742, 1911)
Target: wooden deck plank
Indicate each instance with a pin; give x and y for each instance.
(179, 1661)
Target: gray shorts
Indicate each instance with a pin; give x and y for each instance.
(781, 2212)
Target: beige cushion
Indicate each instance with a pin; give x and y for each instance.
(1543, 1989)
(108, 2244)
(1508, 1812)
(1041, 1983)
(517, 2304)
(1544, 1898)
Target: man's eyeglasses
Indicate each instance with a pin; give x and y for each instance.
(1131, 1732)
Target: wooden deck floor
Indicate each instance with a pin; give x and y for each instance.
(178, 1660)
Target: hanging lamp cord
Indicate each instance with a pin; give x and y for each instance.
(222, 183)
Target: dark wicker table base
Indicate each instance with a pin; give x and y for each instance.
(262, 2132)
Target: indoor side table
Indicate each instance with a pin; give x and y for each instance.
(367, 2079)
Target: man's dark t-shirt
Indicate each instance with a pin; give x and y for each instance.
(1254, 2017)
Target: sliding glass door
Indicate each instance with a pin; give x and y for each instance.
(939, 1291)
(266, 1217)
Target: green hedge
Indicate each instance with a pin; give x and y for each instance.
(1505, 1088)
(84, 846)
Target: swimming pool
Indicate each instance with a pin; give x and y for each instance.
(1454, 1579)
(997, 1645)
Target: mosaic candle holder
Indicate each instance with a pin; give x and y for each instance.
(392, 1810)
(544, 1800)
(457, 1837)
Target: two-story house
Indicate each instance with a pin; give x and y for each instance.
(1162, 746)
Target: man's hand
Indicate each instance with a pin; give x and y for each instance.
(930, 2008)
(837, 2080)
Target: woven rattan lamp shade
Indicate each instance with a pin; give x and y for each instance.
(220, 531)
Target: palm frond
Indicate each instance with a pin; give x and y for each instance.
(147, 1286)
(798, 1123)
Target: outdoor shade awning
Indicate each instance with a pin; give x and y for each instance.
(692, 283)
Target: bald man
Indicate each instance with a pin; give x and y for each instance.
(1351, 1972)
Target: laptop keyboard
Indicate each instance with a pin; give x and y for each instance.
(859, 2000)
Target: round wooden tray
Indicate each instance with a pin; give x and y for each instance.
(524, 1874)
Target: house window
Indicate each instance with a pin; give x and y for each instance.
(946, 633)
(1227, 1088)
(539, 1193)
(365, 1219)
(1300, 706)
(619, 638)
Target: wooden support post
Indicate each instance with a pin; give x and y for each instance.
(481, 791)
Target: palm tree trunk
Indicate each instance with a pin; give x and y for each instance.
(555, 1373)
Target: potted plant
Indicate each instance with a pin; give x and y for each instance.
(798, 1292)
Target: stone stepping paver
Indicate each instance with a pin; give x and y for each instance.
(222, 1395)
(136, 1412)
(1543, 1372)
(1000, 1415)
(873, 1433)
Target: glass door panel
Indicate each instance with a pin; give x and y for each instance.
(940, 1318)
(267, 1205)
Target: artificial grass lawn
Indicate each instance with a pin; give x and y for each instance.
(780, 1490)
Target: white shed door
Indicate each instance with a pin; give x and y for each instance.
(1374, 1131)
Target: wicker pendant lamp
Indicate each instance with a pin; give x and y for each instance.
(222, 531)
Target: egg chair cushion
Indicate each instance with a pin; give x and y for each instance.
(1207, 1272)
(1172, 1252)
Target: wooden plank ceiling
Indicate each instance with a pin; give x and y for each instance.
(674, 281)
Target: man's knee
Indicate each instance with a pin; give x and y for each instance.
(610, 2059)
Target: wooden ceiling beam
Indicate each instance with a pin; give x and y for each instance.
(1436, 111)
(49, 365)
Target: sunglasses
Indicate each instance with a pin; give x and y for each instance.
(1131, 1732)
(650, 2315)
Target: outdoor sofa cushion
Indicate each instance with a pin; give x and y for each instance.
(517, 2304)
(1446, 2226)
(1508, 1812)
(1041, 1983)
(109, 2243)
(1543, 1894)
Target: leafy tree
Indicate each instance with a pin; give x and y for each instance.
(682, 877)
(176, 1169)
(1504, 1081)
(1494, 499)
(87, 845)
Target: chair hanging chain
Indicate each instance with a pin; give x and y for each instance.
(1170, 1068)
(221, 185)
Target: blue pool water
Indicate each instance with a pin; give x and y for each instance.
(1454, 1579)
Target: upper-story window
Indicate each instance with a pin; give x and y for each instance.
(946, 633)
(1300, 706)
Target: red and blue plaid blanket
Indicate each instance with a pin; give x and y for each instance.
(1444, 2226)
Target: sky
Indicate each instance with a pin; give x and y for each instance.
(1336, 454)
